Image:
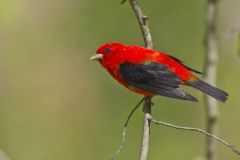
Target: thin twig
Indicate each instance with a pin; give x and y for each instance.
(211, 50)
(125, 130)
(200, 131)
(146, 128)
(142, 20)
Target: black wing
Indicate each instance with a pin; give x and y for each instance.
(189, 68)
(155, 78)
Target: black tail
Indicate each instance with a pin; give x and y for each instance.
(218, 94)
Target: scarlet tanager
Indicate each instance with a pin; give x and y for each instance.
(150, 72)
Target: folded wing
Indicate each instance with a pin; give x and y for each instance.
(155, 78)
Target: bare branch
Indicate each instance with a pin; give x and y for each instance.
(146, 128)
(200, 131)
(142, 20)
(211, 50)
(125, 130)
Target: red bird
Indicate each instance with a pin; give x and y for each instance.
(150, 72)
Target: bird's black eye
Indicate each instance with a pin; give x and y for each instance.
(107, 50)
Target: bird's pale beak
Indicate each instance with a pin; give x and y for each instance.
(96, 57)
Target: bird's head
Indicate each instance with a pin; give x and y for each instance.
(108, 51)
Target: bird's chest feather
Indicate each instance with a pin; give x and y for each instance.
(114, 71)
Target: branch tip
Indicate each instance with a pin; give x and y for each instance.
(125, 130)
(230, 146)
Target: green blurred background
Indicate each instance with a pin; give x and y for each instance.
(55, 104)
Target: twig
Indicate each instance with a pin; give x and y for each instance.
(142, 20)
(211, 50)
(146, 128)
(125, 130)
(200, 131)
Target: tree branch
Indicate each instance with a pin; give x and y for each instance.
(142, 20)
(212, 113)
(125, 130)
(209, 135)
(146, 128)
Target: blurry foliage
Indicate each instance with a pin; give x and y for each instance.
(56, 104)
(238, 43)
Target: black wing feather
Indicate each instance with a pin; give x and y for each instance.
(182, 63)
(155, 78)
(210, 90)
